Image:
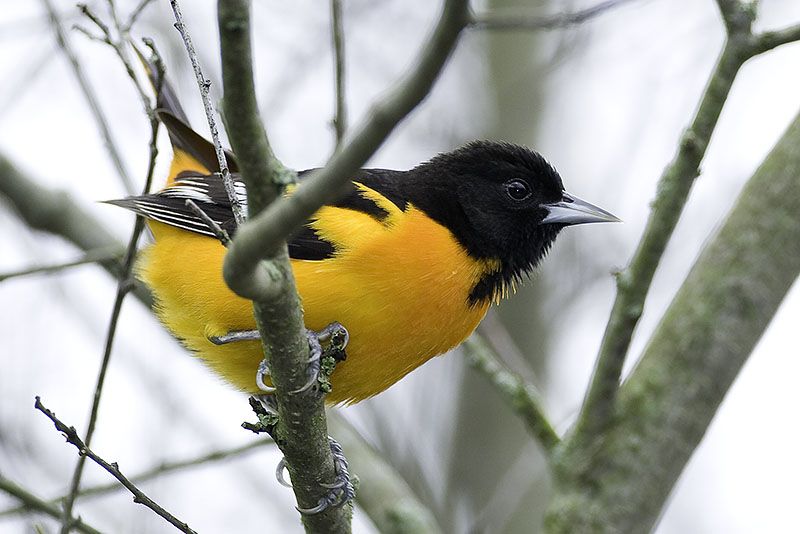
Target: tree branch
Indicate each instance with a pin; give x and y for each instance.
(84, 451)
(337, 37)
(301, 431)
(57, 213)
(91, 97)
(205, 84)
(705, 337)
(495, 21)
(633, 283)
(32, 502)
(262, 235)
(158, 471)
(92, 256)
(519, 395)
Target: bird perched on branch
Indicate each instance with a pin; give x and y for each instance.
(408, 261)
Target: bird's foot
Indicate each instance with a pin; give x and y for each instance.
(340, 491)
(322, 361)
(235, 335)
(320, 364)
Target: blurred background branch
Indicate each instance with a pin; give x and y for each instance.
(698, 349)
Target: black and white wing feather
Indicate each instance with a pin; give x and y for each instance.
(168, 206)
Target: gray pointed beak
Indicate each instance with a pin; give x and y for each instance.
(572, 210)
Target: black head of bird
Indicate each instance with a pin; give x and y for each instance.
(501, 201)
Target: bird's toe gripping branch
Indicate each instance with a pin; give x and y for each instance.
(327, 348)
(321, 363)
(340, 491)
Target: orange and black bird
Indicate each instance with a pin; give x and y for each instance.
(408, 261)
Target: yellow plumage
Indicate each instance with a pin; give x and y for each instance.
(400, 286)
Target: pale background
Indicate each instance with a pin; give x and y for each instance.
(604, 102)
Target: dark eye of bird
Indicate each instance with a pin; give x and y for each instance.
(518, 190)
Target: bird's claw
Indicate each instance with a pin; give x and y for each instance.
(263, 370)
(341, 489)
(336, 336)
(234, 336)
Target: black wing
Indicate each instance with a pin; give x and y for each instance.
(168, 206)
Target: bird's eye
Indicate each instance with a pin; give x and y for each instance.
(518, 190)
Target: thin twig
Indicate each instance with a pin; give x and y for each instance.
(494, 21)
(519, 395)
(124, 286)
(633, 283)
(212, 225)
(134, 16)
(93, 256)
(158, 471)
(90, 95)
(337, 35)
(119, 45)
(32, 502)
(84, 451)
(205, 84)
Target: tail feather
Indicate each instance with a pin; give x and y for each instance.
(191, 151)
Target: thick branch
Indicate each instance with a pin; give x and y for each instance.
(57, 213)
(301, 431)
(518, 394)
(261, 237)
(703, 340)
(633, 283)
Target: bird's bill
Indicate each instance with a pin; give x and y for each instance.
(572, 210)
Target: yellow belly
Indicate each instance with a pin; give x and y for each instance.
(400, 288)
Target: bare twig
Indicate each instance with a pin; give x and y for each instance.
(494, 21)
(119, 44)
(766, 41)
(134, 15)
(124, 285)
(84, 451)
(93, 256)
(633, 283)
(301, 428)
(205, 84)
(158, 471)
(32, 502)
(90, 95)
(212, 225)
(519, 395)
(337, 35)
